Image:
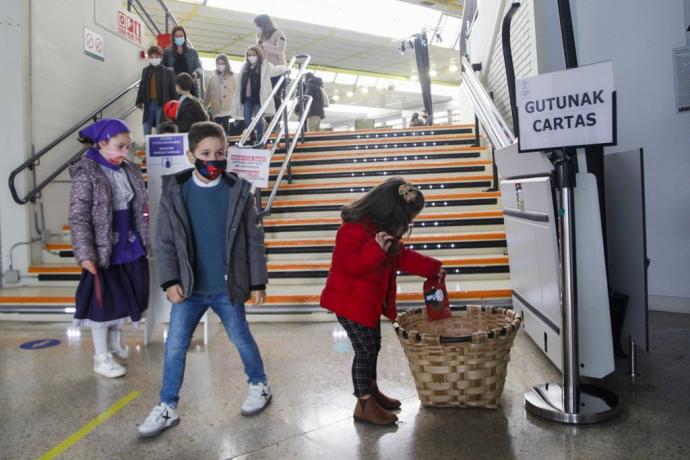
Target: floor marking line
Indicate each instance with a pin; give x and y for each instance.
(89, 427)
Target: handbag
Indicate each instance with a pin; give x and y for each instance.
(436, 298)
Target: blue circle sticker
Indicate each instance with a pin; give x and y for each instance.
(38, 344)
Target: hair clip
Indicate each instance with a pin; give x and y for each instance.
(408, 193)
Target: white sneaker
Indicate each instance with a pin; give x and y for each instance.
(161, 417)
(107, 366)
(258, 397)
(117, 344)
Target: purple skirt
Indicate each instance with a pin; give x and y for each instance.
(124, 292)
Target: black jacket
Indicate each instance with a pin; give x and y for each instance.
(312, 87)
(255, 76)
(165, 85)
(189, 112)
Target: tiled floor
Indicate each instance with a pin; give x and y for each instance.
(48, 394)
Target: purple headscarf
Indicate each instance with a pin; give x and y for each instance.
(103, 130)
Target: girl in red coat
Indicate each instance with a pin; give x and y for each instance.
(361, 284)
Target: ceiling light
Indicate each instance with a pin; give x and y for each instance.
(350, 94)
(364, 90)
(433, 73)
(453, 68)
(336, 97)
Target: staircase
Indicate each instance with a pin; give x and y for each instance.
(461, 224)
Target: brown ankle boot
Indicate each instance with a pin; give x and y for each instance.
(383, 400)
(368, 410)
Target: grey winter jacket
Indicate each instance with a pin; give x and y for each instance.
(174, 245)
(91, 211)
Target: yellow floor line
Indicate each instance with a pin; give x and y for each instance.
(89, 427)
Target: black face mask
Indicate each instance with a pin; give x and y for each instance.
(211, 169)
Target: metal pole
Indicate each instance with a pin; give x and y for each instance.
(633, 357)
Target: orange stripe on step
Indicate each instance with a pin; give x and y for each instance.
(59, 247)
(67, 269)
(37, 300)
(446, 262)
(415, 239)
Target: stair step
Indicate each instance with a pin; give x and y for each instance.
(357, 156)
(419, 131)
(61, 299)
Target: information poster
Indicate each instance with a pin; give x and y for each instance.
(251, 164)
(681, 76)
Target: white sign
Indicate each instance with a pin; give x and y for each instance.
(93, 44)
(681, 76)
(251, 164)
(570, 108)
(130, 27)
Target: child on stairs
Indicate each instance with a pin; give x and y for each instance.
(110, 237)
(361, 284)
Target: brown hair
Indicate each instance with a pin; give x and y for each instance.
(202, 130)
(264, 22)
(184, 81)
(226, 61)
(392, 206)
(155, 50)
(260, 58)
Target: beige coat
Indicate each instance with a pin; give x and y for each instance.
(268, 70)
(274, 48)
(220, 94)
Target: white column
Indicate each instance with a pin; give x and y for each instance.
(14, 128)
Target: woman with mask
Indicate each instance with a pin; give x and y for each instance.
(220, 92)
(272, 42)
(183, 59)
(254, 88)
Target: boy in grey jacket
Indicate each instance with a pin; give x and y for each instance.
(210, 253)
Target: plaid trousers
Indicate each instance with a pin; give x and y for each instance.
(367, 343)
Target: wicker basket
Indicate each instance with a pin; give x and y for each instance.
(460, 361)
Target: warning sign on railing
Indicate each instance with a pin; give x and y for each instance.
(251, 164)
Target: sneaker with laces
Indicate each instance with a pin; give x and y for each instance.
(258, 397)
(106, 366)
(161, 417)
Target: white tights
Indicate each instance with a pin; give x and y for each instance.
(105, 339)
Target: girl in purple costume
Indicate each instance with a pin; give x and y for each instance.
(110, 237)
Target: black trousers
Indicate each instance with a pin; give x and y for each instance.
(366, 342)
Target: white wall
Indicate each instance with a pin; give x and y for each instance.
(66, 84)
(14, 127)
(638, 36)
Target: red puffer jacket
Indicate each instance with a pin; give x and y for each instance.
(361, 283)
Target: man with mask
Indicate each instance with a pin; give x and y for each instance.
(157, 87)
(210, 254)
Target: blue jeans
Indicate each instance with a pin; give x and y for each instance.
(250, 109)
(154, 117)
(184, 318)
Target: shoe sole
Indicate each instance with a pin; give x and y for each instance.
(254, 412)
(111, 376)
(369, 422)
(156, 433)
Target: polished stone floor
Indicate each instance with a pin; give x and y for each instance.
(48, 394)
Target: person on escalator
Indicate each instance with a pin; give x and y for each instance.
(110, 237)
(254, 88)
(361, 284)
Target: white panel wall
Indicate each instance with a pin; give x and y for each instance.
(14, 127)
(66, 84)
(641, 55)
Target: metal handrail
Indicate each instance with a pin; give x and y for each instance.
(31, 162)
(288, 155)
(304, 63)
(497, 129)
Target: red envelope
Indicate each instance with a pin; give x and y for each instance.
(436, 298)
